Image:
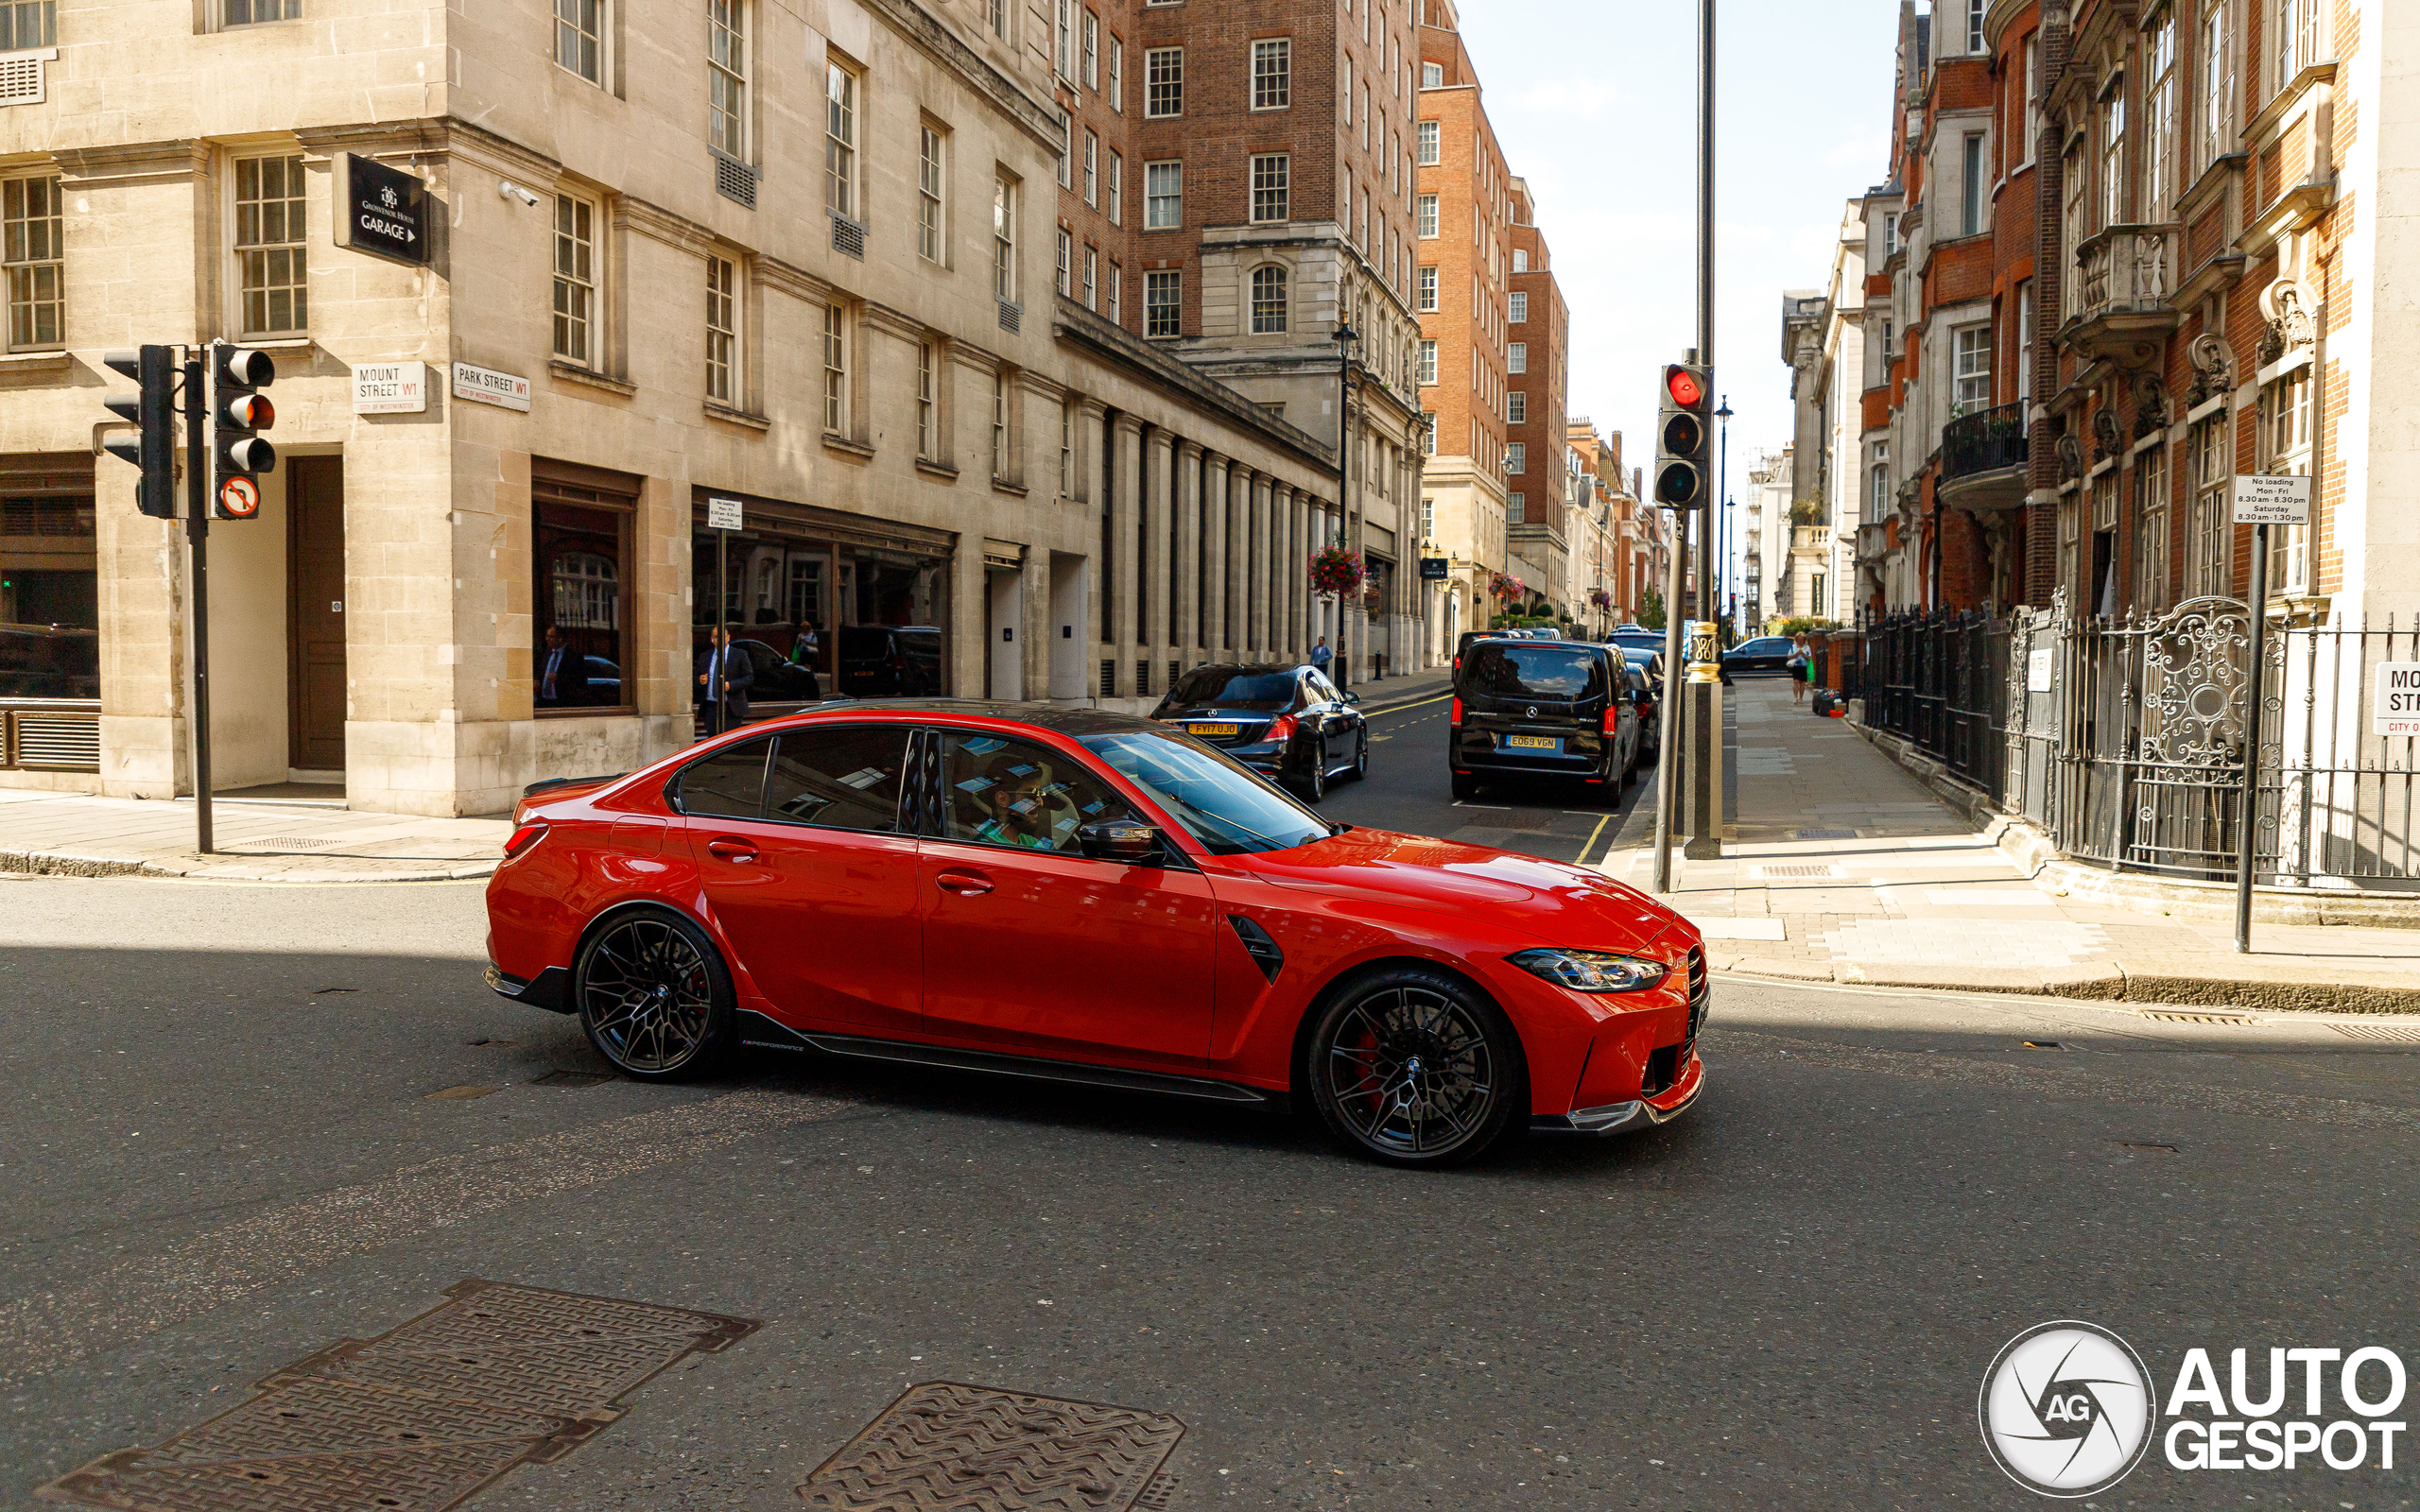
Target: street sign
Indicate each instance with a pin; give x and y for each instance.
(723, 514)
(380, 210)
(2394, 699)
(487, 386)
(2039, 665)
(2259, 499)
(390, 389)
(1435, 569)
(239, 498)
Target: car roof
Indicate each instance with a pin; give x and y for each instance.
(1250, 669)
(1072, 722)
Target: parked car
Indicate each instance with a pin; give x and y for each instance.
(1469, 637)
(1766, 653)
(1641, 646)
(1647, 696)
(1290, 723)
(889, 662)
(1524, 710)
(1091, 899)
(779, 680)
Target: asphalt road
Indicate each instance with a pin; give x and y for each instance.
(221, 1152)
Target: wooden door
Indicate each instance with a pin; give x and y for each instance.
(315, 612)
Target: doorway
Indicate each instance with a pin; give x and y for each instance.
(315, 613)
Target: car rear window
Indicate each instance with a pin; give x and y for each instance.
(1513, 670)
(1227, 689)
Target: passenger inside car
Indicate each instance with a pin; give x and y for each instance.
(1005, 793)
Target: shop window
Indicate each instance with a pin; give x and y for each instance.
(581, 554)
(49, 586)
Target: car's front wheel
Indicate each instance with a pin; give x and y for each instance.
(1409, 1066)
(654, 996)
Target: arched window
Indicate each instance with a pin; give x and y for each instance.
(1268, 301)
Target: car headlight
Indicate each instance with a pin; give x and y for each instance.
(1592, 971)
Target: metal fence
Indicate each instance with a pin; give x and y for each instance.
(2124, 739)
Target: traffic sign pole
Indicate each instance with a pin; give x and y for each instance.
(2248, 840)
(198, 501)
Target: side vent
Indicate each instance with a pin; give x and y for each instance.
(23, 78)
(1263, 950)
(1108, 679)
(735, 181)
(1011, 316)
(848, 236)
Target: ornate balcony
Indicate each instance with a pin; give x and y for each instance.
(1982, 460)
(2119, 296)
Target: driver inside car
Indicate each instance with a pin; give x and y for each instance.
(1022, 806)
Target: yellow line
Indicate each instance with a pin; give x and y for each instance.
(1422, 704)
(1602, 820)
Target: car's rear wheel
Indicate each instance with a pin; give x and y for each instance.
(653, 996)
(1315, 780)
(1361, 761)
(1411, 1067)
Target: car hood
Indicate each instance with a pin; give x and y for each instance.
(1556, 903)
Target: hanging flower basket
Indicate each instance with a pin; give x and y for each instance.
(1506, 586)
(1598, 599)
(1336, 572)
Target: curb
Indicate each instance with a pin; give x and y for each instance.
(63, 864)
(2103, 982)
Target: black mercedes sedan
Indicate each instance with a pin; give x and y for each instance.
(1288, 722)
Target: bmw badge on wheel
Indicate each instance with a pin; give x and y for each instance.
(2067, 1409)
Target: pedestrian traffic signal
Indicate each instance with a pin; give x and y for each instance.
(1684, 437)
(237, 414)
(152, 408)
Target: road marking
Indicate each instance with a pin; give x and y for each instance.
(1405, 707)
(1602, 820)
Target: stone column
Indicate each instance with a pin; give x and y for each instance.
(1185, 639)
(1295, 574)
(1264, 490)
(1156, 638)
(1037, 631)
(1124, 568)
(1213, 541)
(1239, 493)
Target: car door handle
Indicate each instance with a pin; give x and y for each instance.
(732, 848)
(964, 884)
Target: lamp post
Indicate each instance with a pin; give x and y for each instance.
(1346, 338)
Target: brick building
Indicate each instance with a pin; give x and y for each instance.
(1540, 494)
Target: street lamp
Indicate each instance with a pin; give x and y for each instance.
(1347, 339)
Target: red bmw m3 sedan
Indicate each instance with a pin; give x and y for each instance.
(1089, 897)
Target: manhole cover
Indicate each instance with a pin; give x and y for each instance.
(1824, 834)
(2166, 1016)
(570, 1078)
(2377, 1031)
(420, 1418)
(972, 1448)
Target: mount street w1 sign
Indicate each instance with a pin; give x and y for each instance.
(380, 210)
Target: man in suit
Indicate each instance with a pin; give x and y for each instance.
(562, 673)
(724, 677)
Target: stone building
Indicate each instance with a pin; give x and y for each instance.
(803, 271)
(1541, 533)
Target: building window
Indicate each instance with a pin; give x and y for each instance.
(1516, 357)
(1891, 234)
(2285, 439)
(1426, 216)
(270, 254)
(580, 552)
(1428, 520)
(1067, 153)
(1427, 364)
(836, 369)
(1971, 371)
(1001, 458)
(1092, 167)
(1429, 432)
(840, 141)
(1163, 196)
(239, 13)
(1974, 33)
(1067, 445)
(930, 197)
(1092, 277)
(1163, 296)
(1064, 57)
(1268, 302)
(2217, 75)
(1520, 315)
(1878, 504)
(2150, 530)
(1003, 238)
(1116, 73)
(579, 32)
(1163, 82)
(1117, 293)
(1066, 274)
(928, 428)
(1520, 259)
(2159, 117)
(1517, 507)
(1425, 136)
(1116, 187)
(1516, 408)
(996, 14)
(2032, 96)
(727, 77)
(30, 227)
(1273, 76)
(2113, 155)
(2025, 342)
(1516, 458)
(1432, 75)
(574, 280)
(722, 330)
(1428, 287)
(1091, 50)
(1970, 217)
(2300, 39)
(1272, 192)
(2209, 537)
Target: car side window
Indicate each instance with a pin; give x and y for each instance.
(729, 784)
(1012, 793)
(845, 777)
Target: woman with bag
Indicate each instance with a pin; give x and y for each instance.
(1802, 666)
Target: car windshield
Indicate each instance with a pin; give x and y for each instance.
(1517, 671)
(1227, 688)
(1217, 802)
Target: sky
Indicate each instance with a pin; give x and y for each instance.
(1595, 102)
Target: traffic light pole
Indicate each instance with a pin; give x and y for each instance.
(198, 471)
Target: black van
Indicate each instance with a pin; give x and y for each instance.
(1542, 708)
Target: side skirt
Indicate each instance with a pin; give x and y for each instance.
(758, 1030)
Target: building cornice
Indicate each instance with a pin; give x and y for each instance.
(132, 162)
(936, 41)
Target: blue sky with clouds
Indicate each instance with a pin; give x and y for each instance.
(1596, 104)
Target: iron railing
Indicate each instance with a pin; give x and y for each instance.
(1984, 442)
(1936, 680)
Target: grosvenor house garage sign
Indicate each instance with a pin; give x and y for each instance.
(380, 210)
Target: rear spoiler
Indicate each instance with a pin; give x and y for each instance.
(552, 782)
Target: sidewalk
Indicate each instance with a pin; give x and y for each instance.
(1395, 691)
(1841, 866)
(69, 834)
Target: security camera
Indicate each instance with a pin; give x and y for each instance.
(513, 191)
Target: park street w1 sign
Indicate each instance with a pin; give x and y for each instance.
(2395, 700)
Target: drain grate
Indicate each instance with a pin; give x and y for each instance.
(2377, 1031)
(1798, 871)
(291, 842)
(973, 1448)
(419, 1418)
(570, 1078)
(1824, 834)
(2181, 1016)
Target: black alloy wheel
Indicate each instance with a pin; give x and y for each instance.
(653, 996)
(1361, 762)
(1411, 1067)
(1315, 780)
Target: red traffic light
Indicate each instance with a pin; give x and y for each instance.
(254, 412)
(1683, 386)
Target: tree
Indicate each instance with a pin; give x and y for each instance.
(1651, 613)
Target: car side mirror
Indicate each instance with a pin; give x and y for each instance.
(1352, 697)
(1128, 840)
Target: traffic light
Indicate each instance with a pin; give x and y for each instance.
(152, 408)
(1684, 438)
(237, 414)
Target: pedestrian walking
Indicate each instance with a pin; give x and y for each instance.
(1802, 666)
(1322, 656)
(724, 677)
